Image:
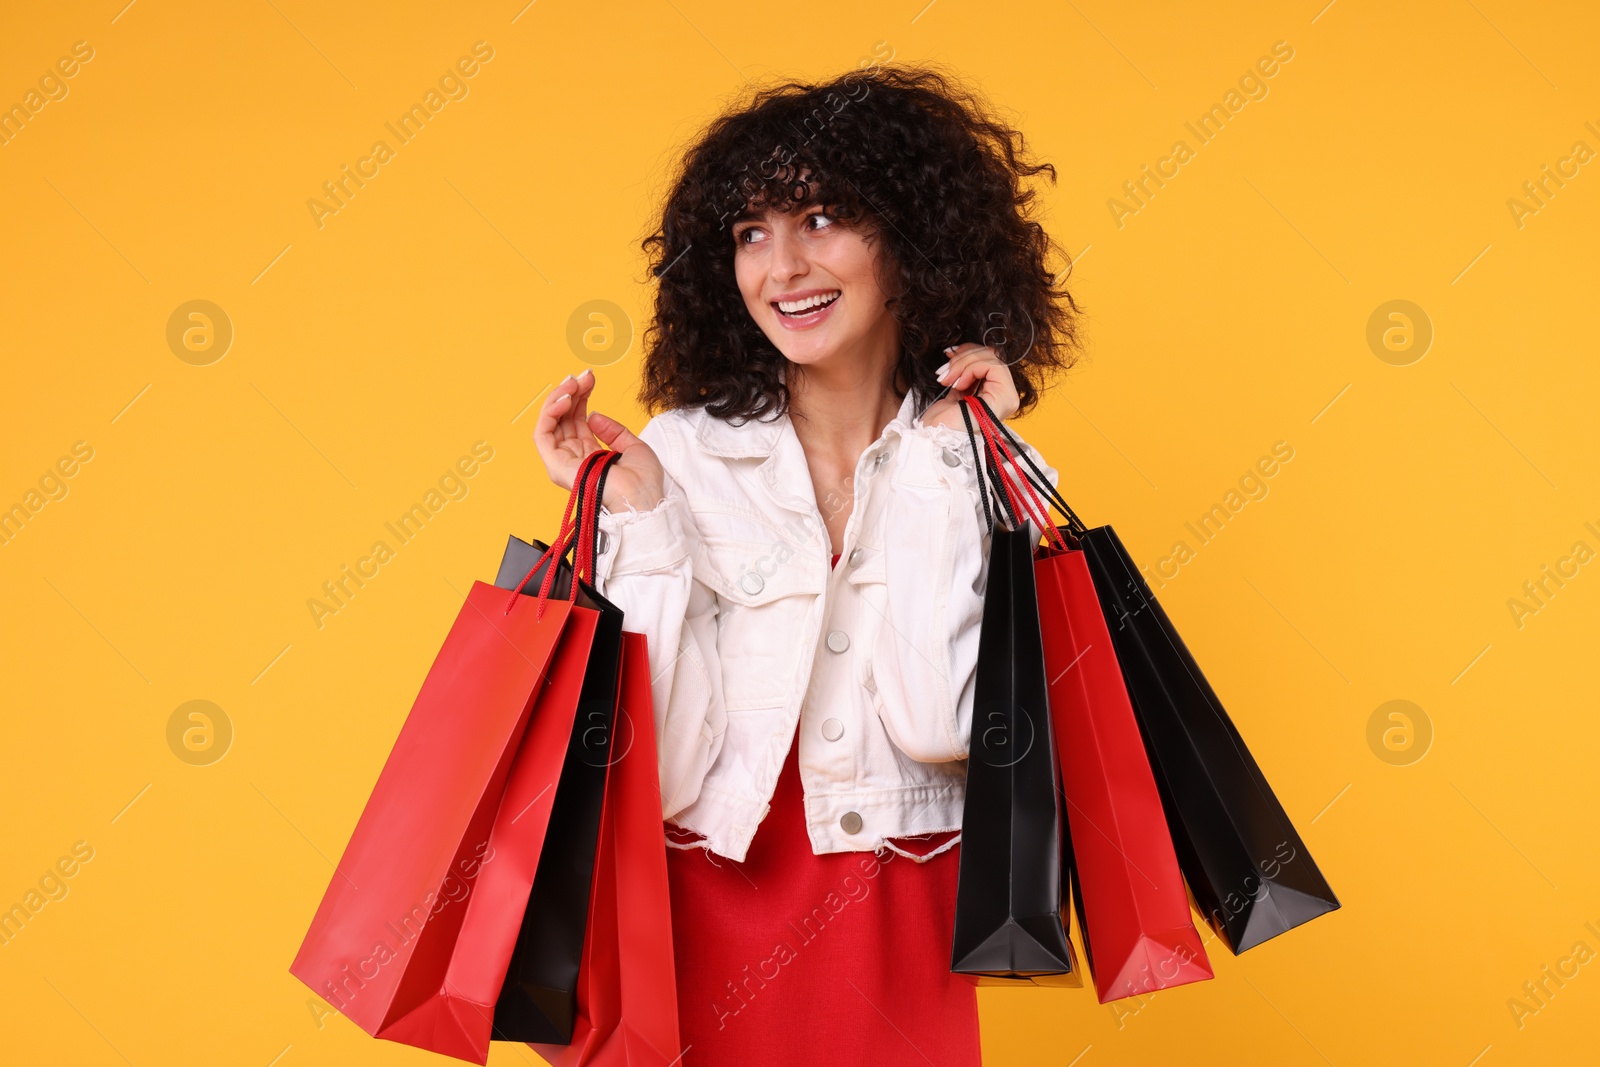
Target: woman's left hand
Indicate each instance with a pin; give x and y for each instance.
(973, 367)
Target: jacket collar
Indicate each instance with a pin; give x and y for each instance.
(749, 438)
(783, 474)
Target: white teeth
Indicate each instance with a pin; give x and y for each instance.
(793, 307)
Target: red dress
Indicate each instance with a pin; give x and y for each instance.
(795, 958)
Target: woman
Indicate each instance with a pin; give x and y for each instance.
(837, 265)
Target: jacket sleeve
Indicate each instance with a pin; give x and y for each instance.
(646, 570)
(936, 562)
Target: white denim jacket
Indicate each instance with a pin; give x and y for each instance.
(751, 633)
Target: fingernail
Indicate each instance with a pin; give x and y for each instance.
(589, 371)
(564, 381)
(942, 371)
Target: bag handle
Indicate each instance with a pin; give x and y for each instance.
(1004, 488)
(590, 540)
(1019, 492)
(1024, 496)
(581, 534)
(559, 545)
(573, 527)
(1008, 443)
(984, 472)
(1015, 505)
(584, 544)
(1039, 480)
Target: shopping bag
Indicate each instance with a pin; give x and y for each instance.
(386, 929)
(1132, 905)
(1010, 922)
(1250, 872)
(538, 999)
(627, 1000)
(550, 804)
(1133, 909)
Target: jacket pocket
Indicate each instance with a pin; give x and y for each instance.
(765, 591)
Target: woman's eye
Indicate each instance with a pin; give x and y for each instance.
(747, 235)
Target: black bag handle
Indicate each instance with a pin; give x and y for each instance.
(582, 508)
(986, 470)
(1038, 480)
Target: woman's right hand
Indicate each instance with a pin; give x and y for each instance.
(566, 432)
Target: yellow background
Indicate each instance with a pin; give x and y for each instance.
(1230, 312)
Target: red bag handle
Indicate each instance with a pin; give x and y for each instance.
(1037, 509)
(584, 561)
(582, 498)
(561, 541)
(1023, 497)
(1074, 524)
(1004, 490)
(586, 493)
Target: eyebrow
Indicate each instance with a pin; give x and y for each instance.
(749, 215)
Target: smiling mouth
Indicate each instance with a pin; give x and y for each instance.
(799, 309)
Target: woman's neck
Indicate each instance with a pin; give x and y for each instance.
(837, 414)
(839, 411)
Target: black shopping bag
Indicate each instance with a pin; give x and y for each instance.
(538, 1001)
(1246, 865)
(1011, 914)
(1249, 870)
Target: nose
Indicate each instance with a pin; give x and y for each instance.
(788, 257)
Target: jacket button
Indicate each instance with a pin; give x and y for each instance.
(601, 541)
(850, 822)
(877, 461)
(951, 457)
(832, 729)
(751, 582)
(855, 555)
(838, 640)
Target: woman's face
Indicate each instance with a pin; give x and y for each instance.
(829, 278)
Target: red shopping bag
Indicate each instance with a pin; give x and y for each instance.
(384, 933)
(1137, 933)
(383, 937)
(1133, 908)
(460, 1015)
(627, 996)
(515, 971)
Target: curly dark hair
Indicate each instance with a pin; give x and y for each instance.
(912, 157)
